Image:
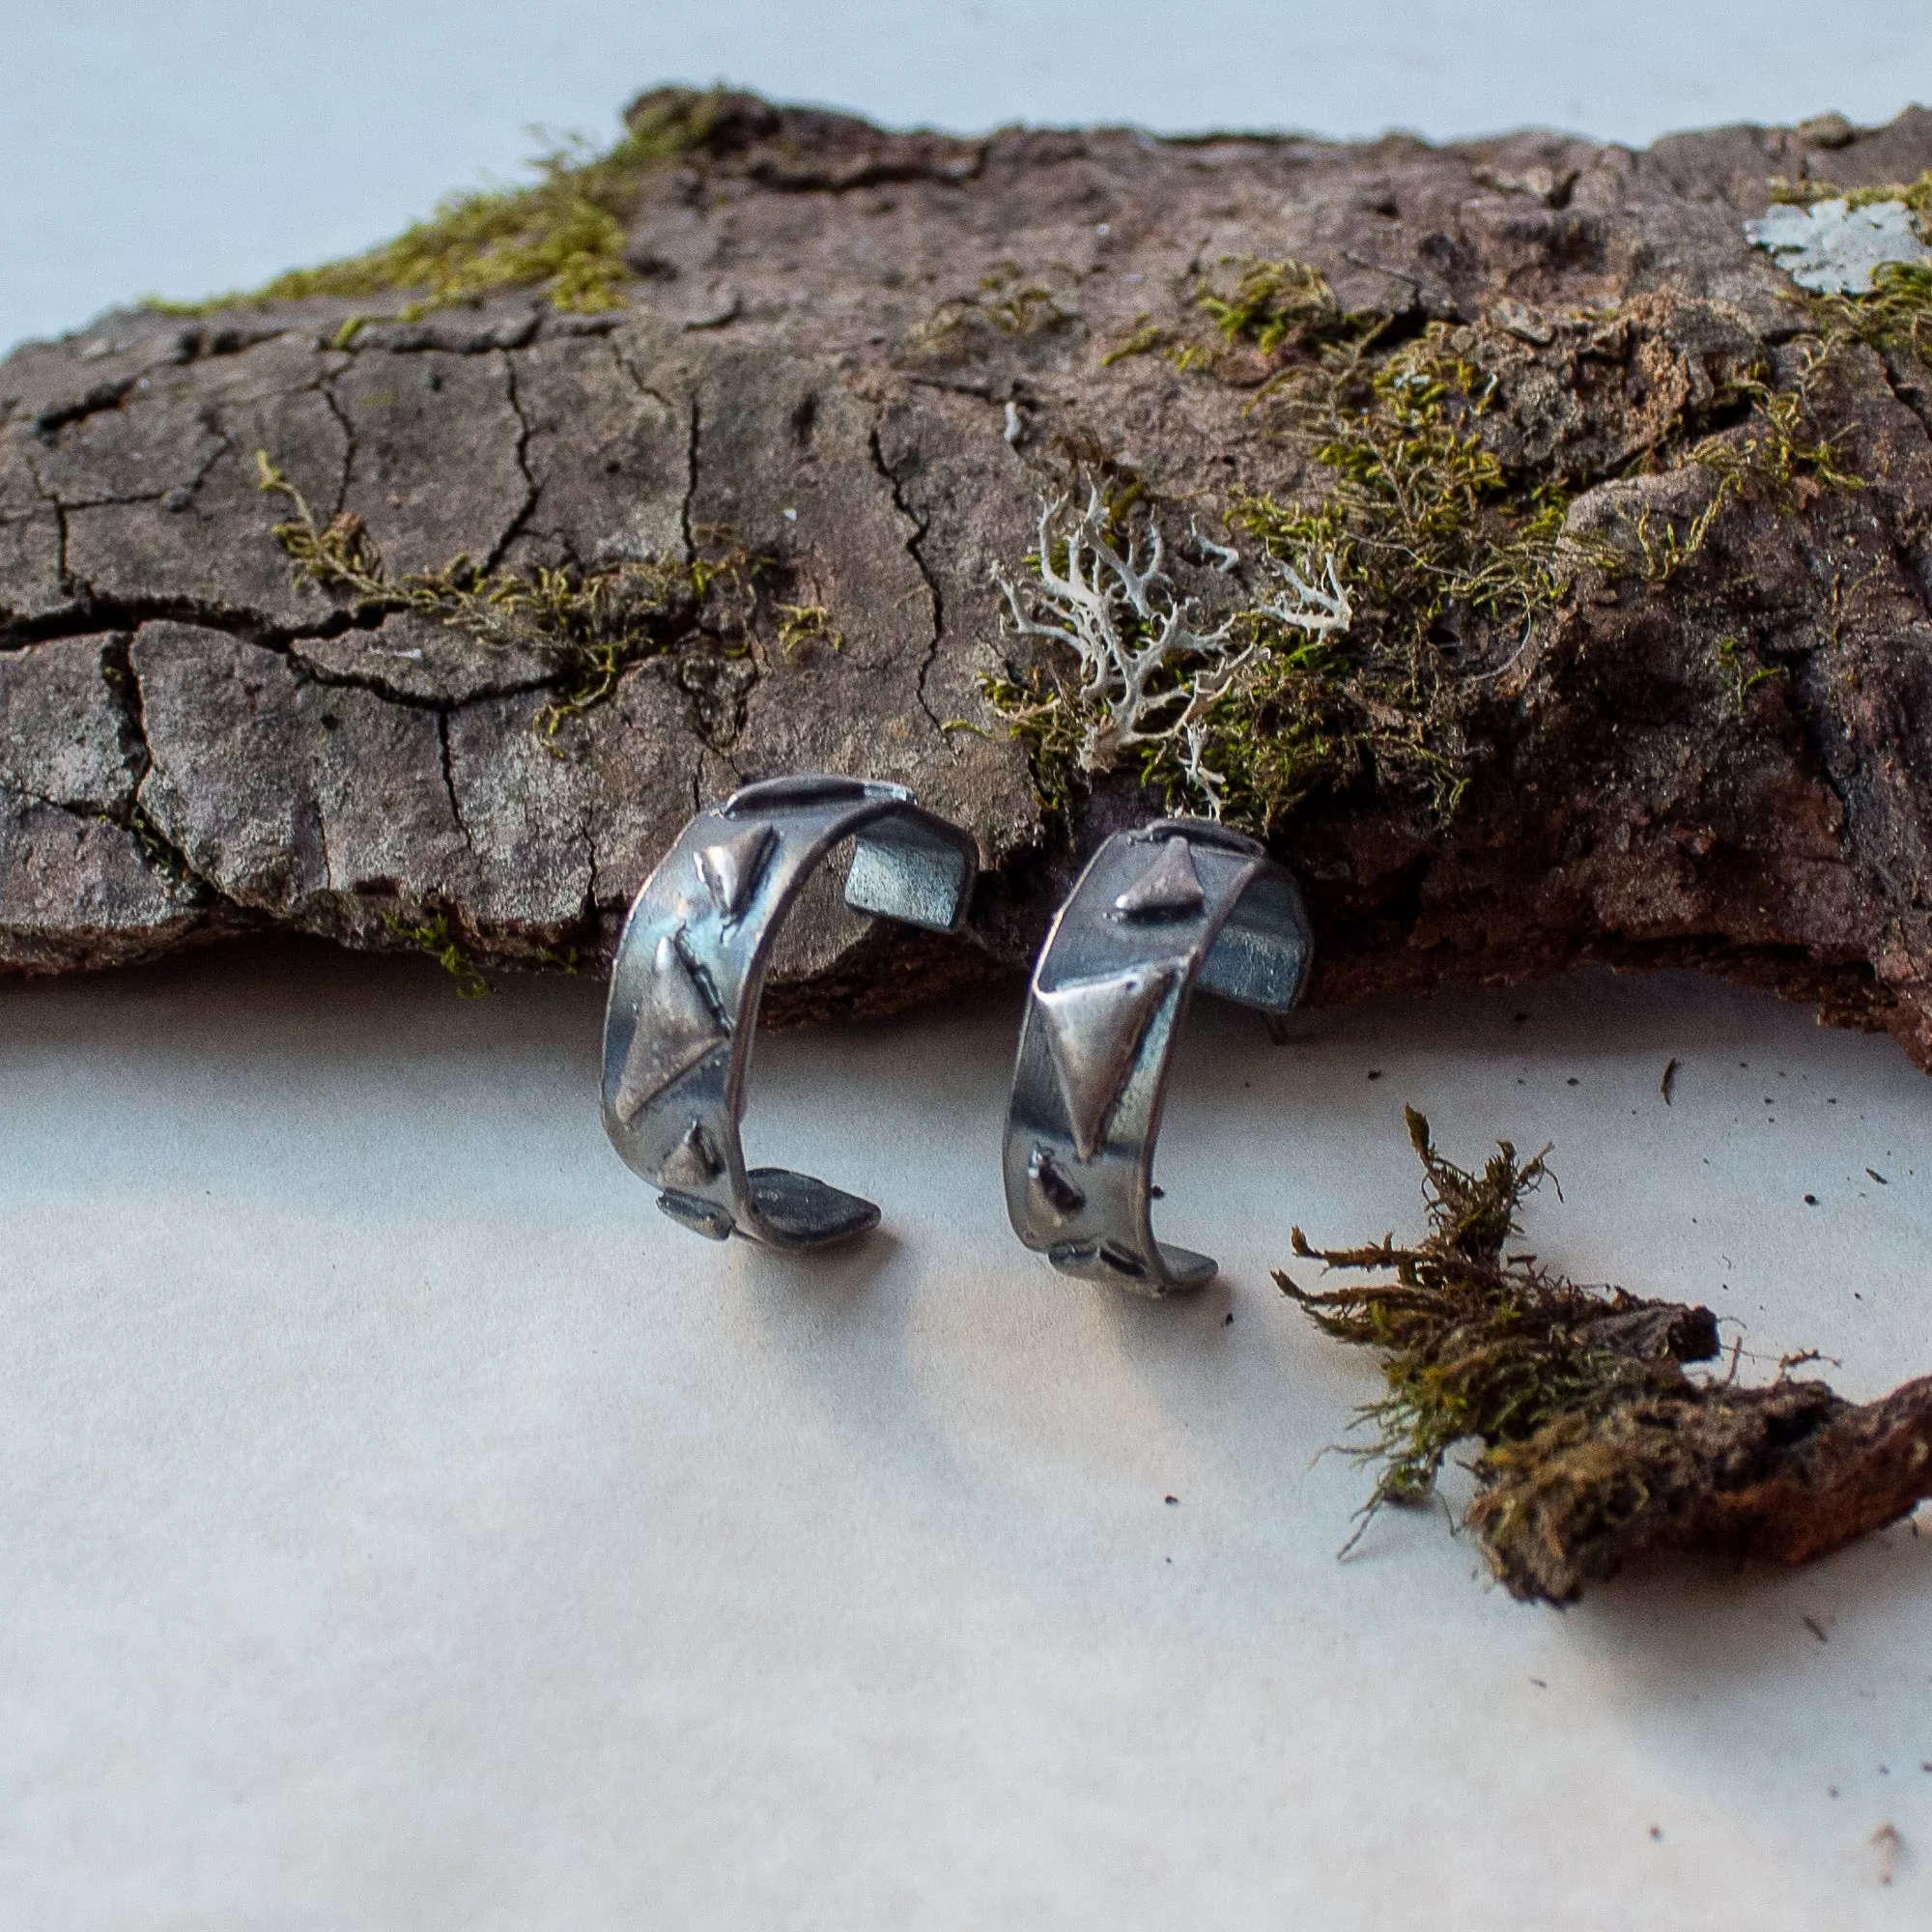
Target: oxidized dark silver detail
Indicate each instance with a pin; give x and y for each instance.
(691, 971)
(1157, 912)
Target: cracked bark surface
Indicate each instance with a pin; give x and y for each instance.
(193, 744)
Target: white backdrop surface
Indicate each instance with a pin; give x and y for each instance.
(207, 144)
(407, 1526)
(403, 1525)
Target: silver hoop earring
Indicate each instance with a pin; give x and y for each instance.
(691, 970)
(1157, 911)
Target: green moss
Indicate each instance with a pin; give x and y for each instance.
(1477, 1343)
(1916, 195)
(1744, 677)
(1471, 1345)
(1145, 337)
(1039, 713)
(1278, 304)
(1595, 1445)
(437, 937)
(1441, 552)
(1895, 317)
(562, 233)
(1278, 309)
(592, 625)
(1449, 561)
(1778, 454)
(1437, 548)
(156, 847)
(803, 624)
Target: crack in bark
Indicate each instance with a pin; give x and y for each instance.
(63, 577)
(325, 387)
(691, 442)
(118, 672)
(449, 779)
(531, 489)
(915, 549)
(101, 400)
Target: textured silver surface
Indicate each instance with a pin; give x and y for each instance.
(1158, 911)
(690, 969)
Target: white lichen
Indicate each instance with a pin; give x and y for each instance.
(1834, 248)
(1150, 673)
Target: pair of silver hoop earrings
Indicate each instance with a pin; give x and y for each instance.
(1178, 903)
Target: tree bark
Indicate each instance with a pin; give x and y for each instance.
(869, 356)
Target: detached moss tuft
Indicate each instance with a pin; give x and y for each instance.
(1596, 1446)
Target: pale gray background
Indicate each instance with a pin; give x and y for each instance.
(204, 144)
(401, 1525)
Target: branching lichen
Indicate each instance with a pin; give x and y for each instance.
(1596, 1445)
(592, 625)
(1144, 671)
(562, 233)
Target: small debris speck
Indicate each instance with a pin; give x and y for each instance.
(1572, 1081)
(1816, 1629)
(1887, 1844)
(1878, 1176)
(1516, 1019)
(1656, 1831)
(1810, 1201)
(1668, 1082)
(1171, 1499)
(1539, 1683)
(1228, 1319)
(1374, 1073)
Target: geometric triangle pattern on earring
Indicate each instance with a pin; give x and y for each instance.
(676, 1028)
(1094, 1031)
(1170, 887)
(730, 869)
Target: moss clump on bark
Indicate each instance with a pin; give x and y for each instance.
(1440, 476)
(592, 624)
(1420, 528)
(1444, 552)
(562, 233)
(1596, 1446)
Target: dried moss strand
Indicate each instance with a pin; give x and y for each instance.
(1596, 1445)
